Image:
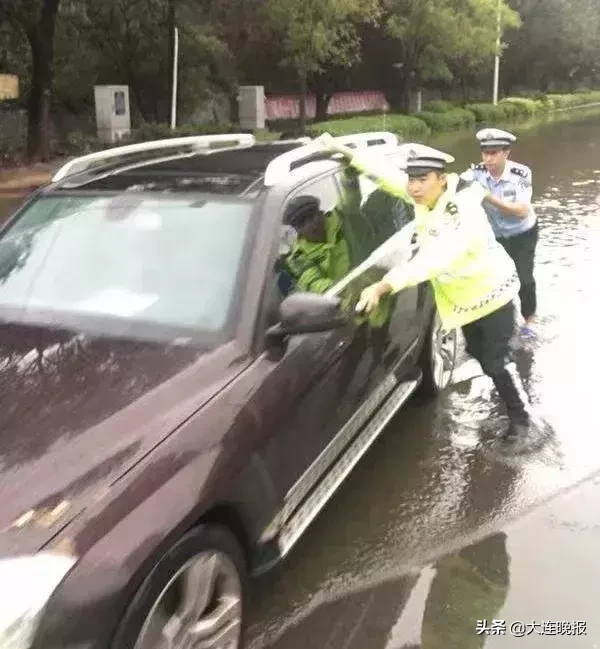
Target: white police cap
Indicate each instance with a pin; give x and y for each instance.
(495, 137)
(421, 158)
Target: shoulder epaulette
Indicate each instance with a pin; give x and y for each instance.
(519, 172)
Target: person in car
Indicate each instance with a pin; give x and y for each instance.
(327, 248)
(474, 279)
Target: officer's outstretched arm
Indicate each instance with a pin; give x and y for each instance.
(379, 170)
(351, 194)
(376, 167)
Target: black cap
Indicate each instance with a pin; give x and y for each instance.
(301, 209)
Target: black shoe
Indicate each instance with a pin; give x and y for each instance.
(511, 391)
(517, 429)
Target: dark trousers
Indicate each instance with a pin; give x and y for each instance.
(488, 340)
(521, 248)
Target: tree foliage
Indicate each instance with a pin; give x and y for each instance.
(438, 38)
(316, 33)
(62, 48)
(558, 46)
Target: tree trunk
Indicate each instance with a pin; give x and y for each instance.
(234, 106)
(41, 39)
(323, 99)
(402, 98)
(303, 93)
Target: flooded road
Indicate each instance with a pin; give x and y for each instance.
(434, 529)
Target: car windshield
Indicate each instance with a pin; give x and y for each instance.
(127, 264)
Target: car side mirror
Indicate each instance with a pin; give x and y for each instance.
(304, 313)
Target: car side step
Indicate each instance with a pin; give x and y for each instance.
(316, 500)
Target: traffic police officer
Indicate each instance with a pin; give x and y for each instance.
(474, 280)
(509, 210)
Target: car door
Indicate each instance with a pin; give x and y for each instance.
(309, 381)
(327, 385)
(378, 217)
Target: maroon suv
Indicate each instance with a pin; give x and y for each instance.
(174, 410)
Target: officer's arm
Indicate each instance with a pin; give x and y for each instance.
(378, 170)
(522, 203)
(438, 251)
(351, 194)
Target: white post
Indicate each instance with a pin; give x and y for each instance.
(174, 94)
(497, 58)
(419, 101)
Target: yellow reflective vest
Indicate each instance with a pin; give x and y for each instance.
(471, 273)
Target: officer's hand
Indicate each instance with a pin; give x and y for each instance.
(329, 143)
(370, 297)
(468, 176)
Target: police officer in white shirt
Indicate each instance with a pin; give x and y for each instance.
(509, 210)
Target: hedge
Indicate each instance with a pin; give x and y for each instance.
(489, 112)
(148, 132)
(438, 106)
(524, 107)
(406, 126)
(452, 119)
(576, 99)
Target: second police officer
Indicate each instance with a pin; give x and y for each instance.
(508, 206)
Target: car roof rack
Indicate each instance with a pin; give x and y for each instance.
(191, 144)
(282, 165)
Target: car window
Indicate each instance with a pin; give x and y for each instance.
(311, 261)
(378, 217)
(171, 262)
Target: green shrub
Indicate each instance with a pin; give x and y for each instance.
(405, 126)
(438, 106)
(578, 99)
(80, 143)
(451, 120)
(489, 112)
(545, 102)
(522, 106)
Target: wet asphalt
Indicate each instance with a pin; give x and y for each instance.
(441, 525)
(444, 537)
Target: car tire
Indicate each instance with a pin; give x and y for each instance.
(437, 359)
(196, 590)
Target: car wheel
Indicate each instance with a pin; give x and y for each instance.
(437, 358)
(194, 596)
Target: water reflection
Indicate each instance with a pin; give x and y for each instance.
(435, 608)
(467, 590)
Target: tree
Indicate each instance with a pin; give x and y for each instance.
(317, 32)
(36, 19)
(473, 42)
(430, 34)
(129, 42)
(558, 44)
